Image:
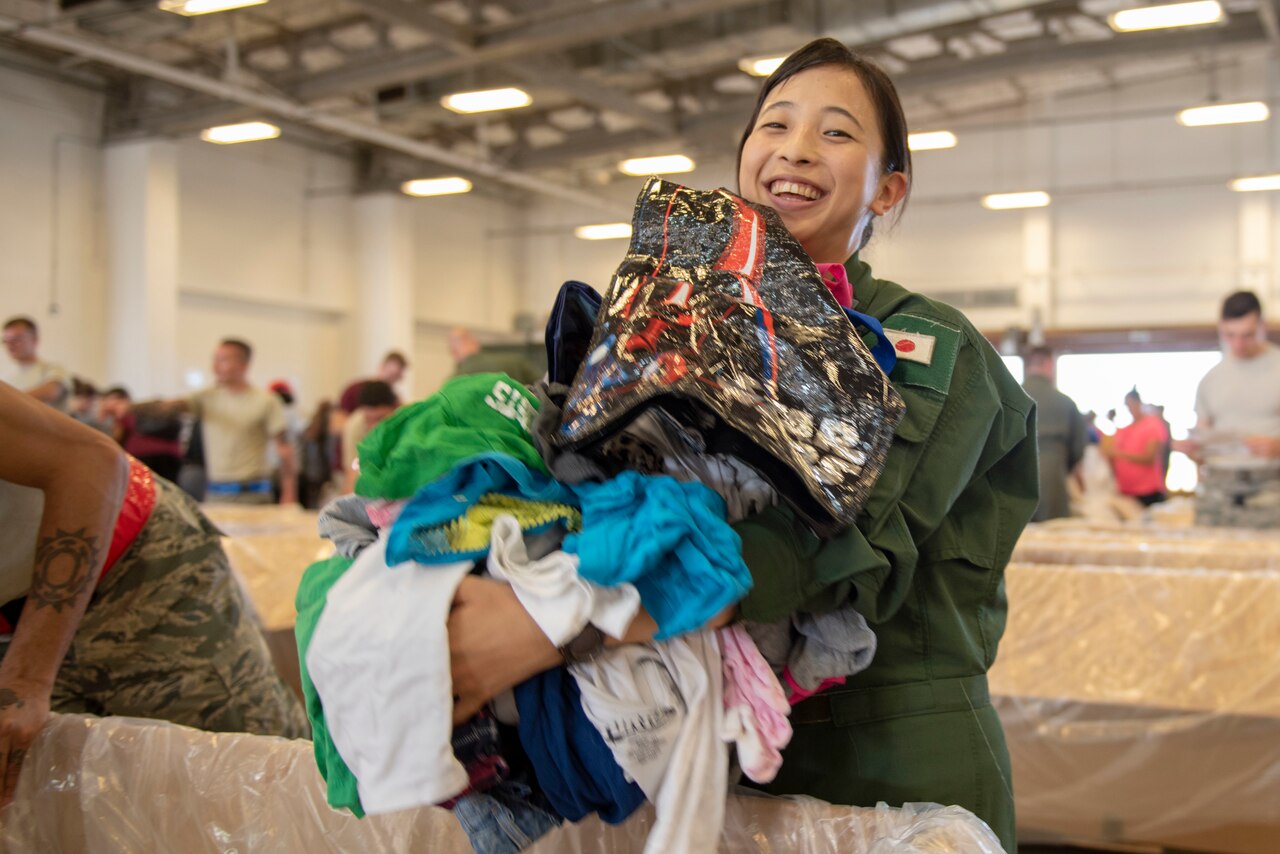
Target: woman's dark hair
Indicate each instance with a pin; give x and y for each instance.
(880, 89)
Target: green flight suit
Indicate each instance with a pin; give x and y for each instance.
(925, 566)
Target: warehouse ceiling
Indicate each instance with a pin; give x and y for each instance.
(608, 78)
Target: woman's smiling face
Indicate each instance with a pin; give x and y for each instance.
(815, 155)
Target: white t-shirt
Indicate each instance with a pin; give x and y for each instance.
(20, 510)
(1242, 396)
(238, 426)
(26, 377)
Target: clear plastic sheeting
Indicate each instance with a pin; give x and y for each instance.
(1142, 704)
(116, 785)
(1159, 543)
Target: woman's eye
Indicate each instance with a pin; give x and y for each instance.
(839, 133)
(773, 125)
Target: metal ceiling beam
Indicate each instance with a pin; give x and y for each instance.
(924, 78)
(463, 43)
(93, 49)
(595, 25)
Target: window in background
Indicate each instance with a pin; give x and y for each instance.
(1014, 364)
(1099, 382)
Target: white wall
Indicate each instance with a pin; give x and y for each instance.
(1143, 229)
(50, 229)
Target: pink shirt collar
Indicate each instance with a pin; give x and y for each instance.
(835, 278)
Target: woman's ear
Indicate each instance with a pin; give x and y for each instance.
(890, 191)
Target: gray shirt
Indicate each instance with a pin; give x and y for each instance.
(1242, 396)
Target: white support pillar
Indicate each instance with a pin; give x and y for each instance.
(141, 202)
(1037, 266)
(384, 283)
(1255, 248)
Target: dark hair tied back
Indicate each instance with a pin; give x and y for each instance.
(880, 89)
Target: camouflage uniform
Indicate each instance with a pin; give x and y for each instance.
(169, 634)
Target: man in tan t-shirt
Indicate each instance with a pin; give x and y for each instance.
(238, 421)
(45, 381)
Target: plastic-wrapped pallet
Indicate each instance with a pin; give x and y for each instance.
(1142, 705)
(121, 785)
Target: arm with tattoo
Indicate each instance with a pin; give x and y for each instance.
(83, 475)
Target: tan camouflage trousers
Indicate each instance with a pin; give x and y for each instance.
(169, 635)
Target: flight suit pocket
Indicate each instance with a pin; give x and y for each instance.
(909, 440)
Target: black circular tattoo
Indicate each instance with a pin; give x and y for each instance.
(64, 568)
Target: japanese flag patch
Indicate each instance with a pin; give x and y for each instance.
(912, 346)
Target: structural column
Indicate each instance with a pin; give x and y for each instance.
(384, 296)
(141, 205)
(1037, 268)
(1256, 273)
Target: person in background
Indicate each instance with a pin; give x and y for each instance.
(375, 402)
(45, 381)
(390, 371)
(294, 426)
(1061, 434)
(155, 440)
(85, 404)
(1240, 396)
(238, 421)
(115, 596)
(1136, 453)
(315, 467)
(525, 363)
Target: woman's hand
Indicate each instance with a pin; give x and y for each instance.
(493, 644)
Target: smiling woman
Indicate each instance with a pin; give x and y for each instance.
(827, 148)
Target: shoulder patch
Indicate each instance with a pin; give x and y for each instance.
(926, 350)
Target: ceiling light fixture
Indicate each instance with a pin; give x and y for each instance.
(243, 132)
(663, 165)
(931, 140)
(1256, 183)
(760, 66)
(604, 231)
(204, 7)
(1164, 17)
(436, 186)
(1224, 114)
(487, 100)
(1015, 201)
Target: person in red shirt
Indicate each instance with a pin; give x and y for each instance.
(1137, 453)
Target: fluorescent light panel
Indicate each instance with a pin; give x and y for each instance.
(604, 231)
(1224, 114)
(436, 186)
(931, 140)
(243, 132)
(487, 100)
(204, 7)
(1164, 17)
(760, 66)
(1256, 183)
(663, 165)
(1013, 201)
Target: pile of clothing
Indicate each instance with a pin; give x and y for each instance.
(670, 411)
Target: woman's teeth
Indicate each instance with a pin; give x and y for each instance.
(792, 188)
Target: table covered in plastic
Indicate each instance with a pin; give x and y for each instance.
(1139, 686)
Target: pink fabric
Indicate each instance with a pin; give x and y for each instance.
(837, 281)
(756, 708)
(1134, 478)
(795, 693)
(383, 513)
